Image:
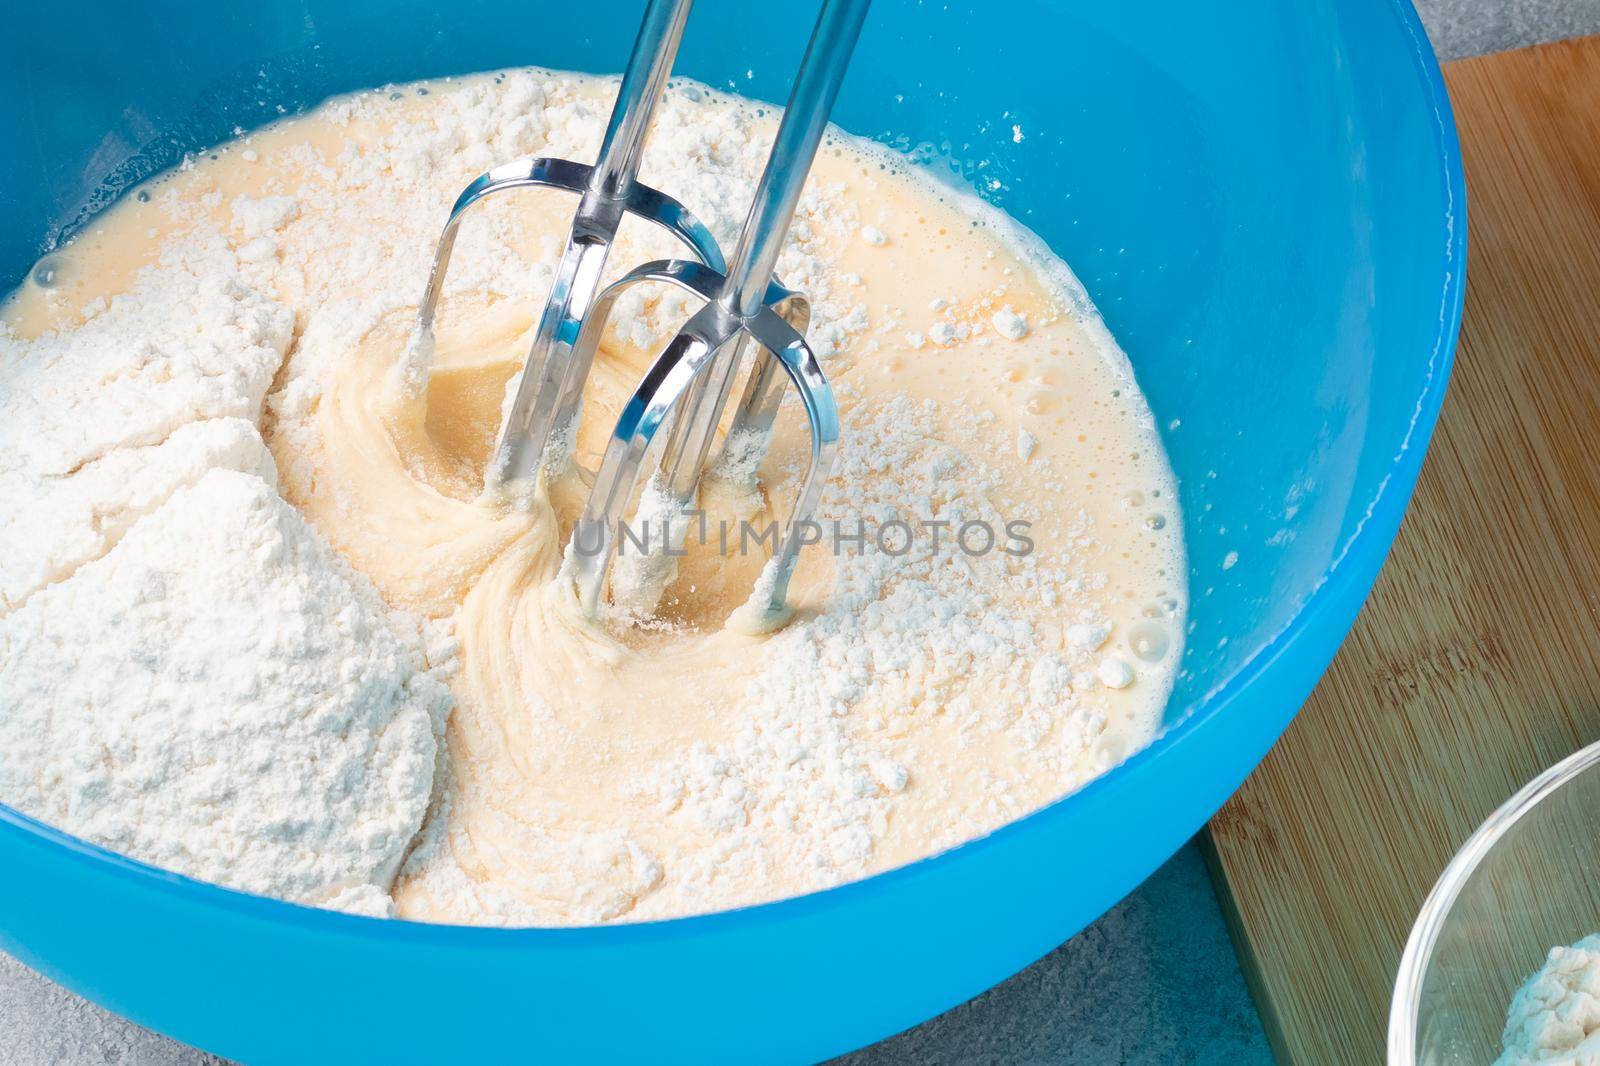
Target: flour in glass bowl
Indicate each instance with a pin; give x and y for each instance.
(1555, 1016)
(260, 624)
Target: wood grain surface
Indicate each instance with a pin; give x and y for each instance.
(1476, 662)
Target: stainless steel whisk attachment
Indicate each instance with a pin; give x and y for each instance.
(687, 386)
(550, 389)
(689, 380)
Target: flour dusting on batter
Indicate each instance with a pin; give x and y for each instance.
(328, 667)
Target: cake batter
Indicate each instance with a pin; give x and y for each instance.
(936, 682)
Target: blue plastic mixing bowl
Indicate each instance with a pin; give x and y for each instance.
(1265, 200)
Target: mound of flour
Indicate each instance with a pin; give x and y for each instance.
(220, 696)
(188, 674)
(1555, 1015)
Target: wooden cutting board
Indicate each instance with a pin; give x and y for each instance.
(1476, 662)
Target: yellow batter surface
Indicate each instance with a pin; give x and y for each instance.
(658, 763)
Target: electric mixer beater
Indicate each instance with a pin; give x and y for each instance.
(688, 384)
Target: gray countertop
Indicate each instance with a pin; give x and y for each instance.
(1462, 28)
(1153, 981)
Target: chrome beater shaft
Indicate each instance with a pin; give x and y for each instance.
(550, 388)
(688, 382)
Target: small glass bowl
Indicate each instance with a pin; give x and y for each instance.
(1526, 881)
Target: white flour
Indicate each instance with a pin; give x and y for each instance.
(187, 674)
(1555, 1015)
(219, 695)
(904, 635)
(102, 423)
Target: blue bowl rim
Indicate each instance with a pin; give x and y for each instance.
(1383, 517)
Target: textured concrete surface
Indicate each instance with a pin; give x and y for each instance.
(1154, 981)
(1475, 27)
(42, 1024)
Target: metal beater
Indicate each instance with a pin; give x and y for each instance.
(742, 307)
(551, 386)
(688, 384)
